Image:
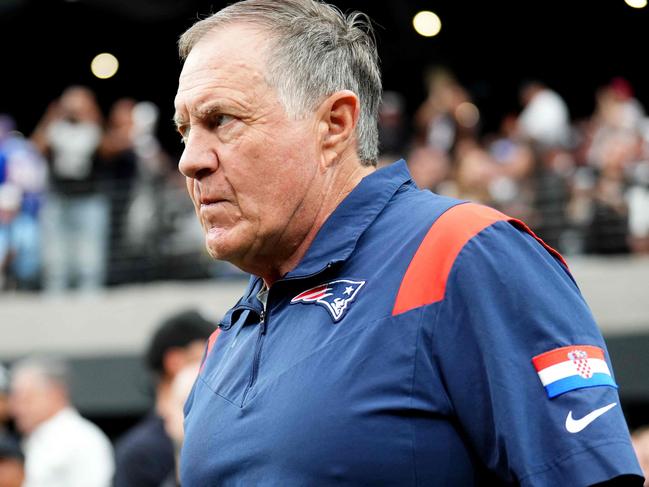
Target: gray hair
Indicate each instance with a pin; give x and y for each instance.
(53, 370)
(316, 50)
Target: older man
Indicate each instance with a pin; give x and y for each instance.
(388, 336)
(61, 447)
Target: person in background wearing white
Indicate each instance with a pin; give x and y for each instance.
(62, 449)
(545, 119)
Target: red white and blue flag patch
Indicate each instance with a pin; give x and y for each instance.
(335, 296)
(575, 367)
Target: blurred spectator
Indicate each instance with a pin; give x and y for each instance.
(637, 198)
(617, 108)
(640, 440)
(609, 225)
(23, 174)
(427, 168)
(76, 215)
(474, 169)
(513, 155)
(545, 119)
(617, 120)
(61, 447)
(4, 399)
(393, 128)
(615, 150)
(12, 462)
(551, 184)
(153, 167)
(11, 456)
(173, 414)
(445, 116)
(510, 189)
(154, 203)
(117, 154)
(145, 453)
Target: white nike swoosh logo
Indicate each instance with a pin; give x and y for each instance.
(576, 425)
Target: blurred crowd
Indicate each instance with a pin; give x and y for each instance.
(46, 442)
(581, 185)
(88, 200)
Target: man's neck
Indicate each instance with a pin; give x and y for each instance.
(342, 183)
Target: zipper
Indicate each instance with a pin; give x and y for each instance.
(240, 307)
(263, 324)
(256, 359)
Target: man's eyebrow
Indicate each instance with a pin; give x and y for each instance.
(202, 113)
(179, 120)
(207, 110)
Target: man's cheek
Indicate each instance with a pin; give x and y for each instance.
(194, 194)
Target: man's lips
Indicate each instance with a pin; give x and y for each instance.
(210, 201)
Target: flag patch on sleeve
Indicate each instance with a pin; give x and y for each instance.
(575, 367)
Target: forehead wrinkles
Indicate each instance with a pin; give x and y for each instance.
(230, 48)
(238, 82)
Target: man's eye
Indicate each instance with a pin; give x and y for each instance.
(220, 120)
(184, 134)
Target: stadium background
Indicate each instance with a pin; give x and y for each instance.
(492, 47)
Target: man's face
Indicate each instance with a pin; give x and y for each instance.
(31, 400)
(172, 412)
(252, 172)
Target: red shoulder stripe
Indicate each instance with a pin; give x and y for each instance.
(425, 279)
(210, 344)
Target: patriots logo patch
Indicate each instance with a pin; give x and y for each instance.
(335, 296)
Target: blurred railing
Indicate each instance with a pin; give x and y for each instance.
(153, 234)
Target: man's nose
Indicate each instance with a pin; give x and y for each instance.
(199, 157)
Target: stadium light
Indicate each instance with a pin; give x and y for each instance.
(104, 65)
(427, 23)
(636, 3)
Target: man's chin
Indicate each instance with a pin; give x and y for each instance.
(216, 251)
(219, 247)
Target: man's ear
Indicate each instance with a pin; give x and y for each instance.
(338, 116)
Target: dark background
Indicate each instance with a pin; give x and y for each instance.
(573, 46)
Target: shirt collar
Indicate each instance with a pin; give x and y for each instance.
(338, 236)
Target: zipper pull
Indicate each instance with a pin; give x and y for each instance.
(262, 321)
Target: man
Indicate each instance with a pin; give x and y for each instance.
(76, 215)
(544, 119)
(61, 447)
(640, 440)
(145, 454)
(173, 413)
(388, 336)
